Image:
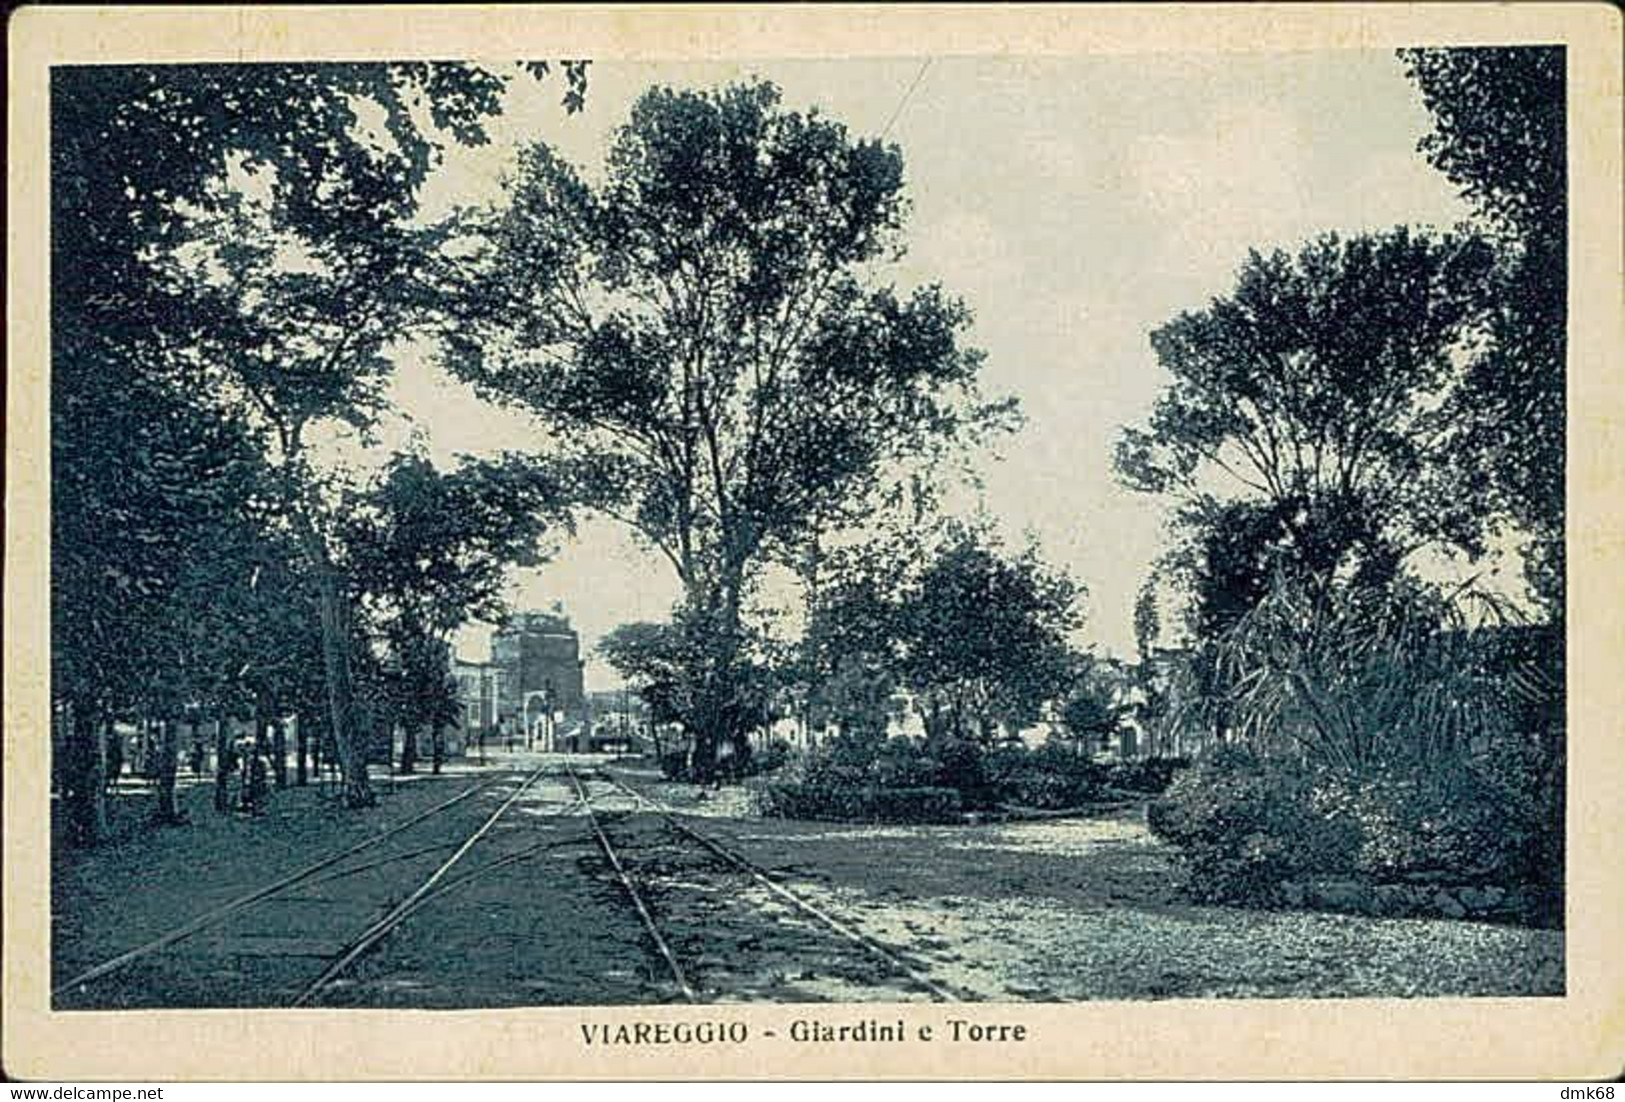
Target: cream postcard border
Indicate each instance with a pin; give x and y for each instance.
(1581, 1035)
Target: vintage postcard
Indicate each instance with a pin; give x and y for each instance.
(813, 542)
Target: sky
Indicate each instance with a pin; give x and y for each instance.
(1075, 204)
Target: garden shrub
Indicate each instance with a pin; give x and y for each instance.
(674, 765)
(1051, 777)
(962, 766)
(1530, 776)
(846, 759)
(903, 763)
(868, 803)
(849, 768)
(1150, 775)
(1245, 825)
(1414, 824)
(771, 757)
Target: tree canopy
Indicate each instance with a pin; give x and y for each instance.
(986, 640)
(705, 325)
(151, 459)
(1313, 394)
(1499, 134)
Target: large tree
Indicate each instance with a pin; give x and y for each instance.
(143, 485)
(1304, 416)
(986, 638)
(1499, 134)
(297, 331)
(648, 657)
(428, 549)
(705, 322)
(851, 652)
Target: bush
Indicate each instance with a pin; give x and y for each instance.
(1486, 821)
(1053, 776)
(1151, 775)
(1246, 825)
(1530, 777)
(860, 760)
(962, 766)
(770, 757)
(732, 765)
(847, 759)
(674, 765)
(903, 763)
(844, 803)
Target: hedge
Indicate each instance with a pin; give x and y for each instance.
(1151, 775)
(1245, 825)
(865, 804)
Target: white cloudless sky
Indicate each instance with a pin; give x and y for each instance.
(1075, 204)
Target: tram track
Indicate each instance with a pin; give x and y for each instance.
(217, 915)
(418, 898)
(729, 858)
(693, 893)
(332, 869)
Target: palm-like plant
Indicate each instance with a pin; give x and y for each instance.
(1354, 678)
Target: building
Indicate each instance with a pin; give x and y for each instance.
(480, 691)
(537, 658)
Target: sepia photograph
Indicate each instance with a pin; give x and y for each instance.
(543, 530)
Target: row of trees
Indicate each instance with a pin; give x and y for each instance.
(704, 336)
(979, 640)
(233, 255)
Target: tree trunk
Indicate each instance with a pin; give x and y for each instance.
(168, 814)
(341, 690)
(318, 747)
(702, 755)
(279, 753)
(141, 764)
(82, 778)
(301, 748)
(262, 726)
(409, 747)
(437, 746)
(110, 756)
(222, 763)
(194, 745)
(715, 712)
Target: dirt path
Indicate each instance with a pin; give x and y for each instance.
(1078, 909)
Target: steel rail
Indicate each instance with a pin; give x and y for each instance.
(226, 910)
(378, 930)
(388, 859)
(500, 863)
(632, 893)
(745, 864)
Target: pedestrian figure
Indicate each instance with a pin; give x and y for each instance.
(115, 759)
(258, 788)
(242, 763)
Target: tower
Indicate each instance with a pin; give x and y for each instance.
(539, 656)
